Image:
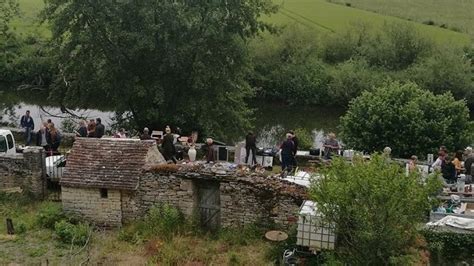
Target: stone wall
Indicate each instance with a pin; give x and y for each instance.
(24, 171)
(241, 202)
(155, 188)
(88, 203)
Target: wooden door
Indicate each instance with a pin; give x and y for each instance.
(209, 204)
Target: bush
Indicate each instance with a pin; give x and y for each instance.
(163, 220)
(446, 70)
(448, 246)
(349, 79)
(48, 214)
(428, 22)
(305, 139)
(69, 233)
(287, 68)
(406, 118)
(375, 208)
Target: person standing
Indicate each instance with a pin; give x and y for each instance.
(331, 145)
(251, 146)
(468, 164)
(42, 137)
(146, 134)
(295, 140)
(91, 129)
(82, 130)
(54, 138)
(169, 149)
(287, 149)
(442, 153)
(458, 161)
(28, 125)
(412, 164)
(99, 128)
(209, 150)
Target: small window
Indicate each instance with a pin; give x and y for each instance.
(10, 141)
(104, 193)
(3, 144)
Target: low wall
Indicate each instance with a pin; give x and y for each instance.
(24, 171)
(243, 200)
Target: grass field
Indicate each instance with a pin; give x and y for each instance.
(29, 20)
(329, 17)
(454, 14)
(324, 16)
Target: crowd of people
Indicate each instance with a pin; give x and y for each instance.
(48, 136)
(451, 166)
(91, 129)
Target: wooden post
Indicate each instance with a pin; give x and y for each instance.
(10, 229)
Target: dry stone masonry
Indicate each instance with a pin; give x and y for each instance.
(25, 171)
(116, 192)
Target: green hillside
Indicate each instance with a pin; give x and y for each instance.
(324, 16)
(457, 15)
(29, 20)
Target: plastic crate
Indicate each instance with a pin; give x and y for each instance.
(312, 232)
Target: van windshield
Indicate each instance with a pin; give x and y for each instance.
(3, 144)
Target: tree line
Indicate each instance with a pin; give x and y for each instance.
(199, 64)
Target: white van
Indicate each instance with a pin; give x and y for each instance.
(7, 142)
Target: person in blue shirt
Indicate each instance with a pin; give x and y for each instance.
(28, 125)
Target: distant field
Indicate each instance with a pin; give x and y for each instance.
(29, 18)
(324, 16)
(317, 14)
(454, 14)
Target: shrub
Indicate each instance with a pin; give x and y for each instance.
(406, 118)
(349, 79)
(163, 220)
(375, 208)
(428, 22)
(287, 68)
(48, 214)
(305, 139)
(69, 233)
(446, 246)
(445, 70)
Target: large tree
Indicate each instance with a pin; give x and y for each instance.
(167, 62)
(408, 119)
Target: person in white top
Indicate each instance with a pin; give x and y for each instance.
(441, 156)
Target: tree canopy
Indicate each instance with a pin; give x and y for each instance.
(181, 63)
(408, 119)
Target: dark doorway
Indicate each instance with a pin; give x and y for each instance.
(209, 204)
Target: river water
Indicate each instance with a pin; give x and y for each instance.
(270, 124)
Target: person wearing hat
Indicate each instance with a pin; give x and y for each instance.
(146, 134)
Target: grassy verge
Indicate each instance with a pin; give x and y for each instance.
(45, 235)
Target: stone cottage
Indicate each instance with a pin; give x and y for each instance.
(113, 181)
(102, 174)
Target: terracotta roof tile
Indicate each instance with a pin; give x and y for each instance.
(108, 163)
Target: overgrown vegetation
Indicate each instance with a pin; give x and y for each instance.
(375, 208)
(406, 118)
(45, 234)
(448, 246)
